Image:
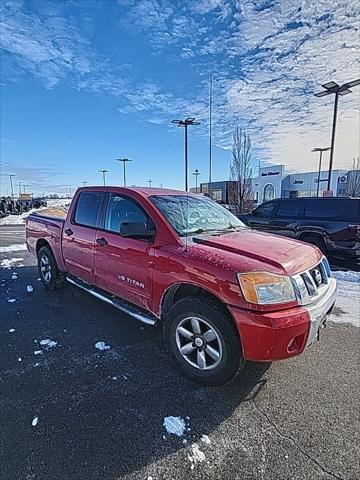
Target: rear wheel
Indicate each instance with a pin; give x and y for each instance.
(315, 240)
(50, 275)
(203, 341)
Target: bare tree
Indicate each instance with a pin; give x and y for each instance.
(240, 170)
(353, 179)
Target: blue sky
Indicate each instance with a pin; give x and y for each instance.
(85, 82)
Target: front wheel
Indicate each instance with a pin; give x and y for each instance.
(50, 275)
(203, 341)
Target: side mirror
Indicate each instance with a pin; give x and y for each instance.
(135, 229)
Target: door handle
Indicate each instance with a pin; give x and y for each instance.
(69, 232)
(101, 241)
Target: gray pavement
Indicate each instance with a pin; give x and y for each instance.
(100, 413)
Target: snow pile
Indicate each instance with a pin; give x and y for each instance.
(348, 276)
(60, 203)
(16, 247)
(205, 439)
(102, 346)
(9, 262)
(347, 305)
(196, 455)
(175, 425)
(47, 343)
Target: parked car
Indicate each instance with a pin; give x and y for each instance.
(332, 224)
(223, 293)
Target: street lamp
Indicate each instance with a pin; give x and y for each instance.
(104, 172)
(20, 183)
(321, 150)
(336, 89)
(24, 187)
(196, 173)
(150, 182)
(11, 175)
(84, 183)
(124, 160)
(185, 123)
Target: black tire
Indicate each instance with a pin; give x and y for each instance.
(230, 361)
(317, 241)
(51, 277)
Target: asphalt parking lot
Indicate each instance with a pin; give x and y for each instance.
(100, 414)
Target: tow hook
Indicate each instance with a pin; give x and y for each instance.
(321, 326)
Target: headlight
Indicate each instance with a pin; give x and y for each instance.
(266, 288)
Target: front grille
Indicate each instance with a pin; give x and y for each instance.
(312, 282)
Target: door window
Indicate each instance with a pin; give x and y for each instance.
(288, 209)
(265, 210)
(124, 210)
(326, 208)
(88, 208)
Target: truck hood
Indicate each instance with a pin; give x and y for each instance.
(284, 254)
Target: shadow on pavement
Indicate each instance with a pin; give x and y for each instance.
(100, 413)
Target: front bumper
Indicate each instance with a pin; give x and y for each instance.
(267, 337)
(319, 310)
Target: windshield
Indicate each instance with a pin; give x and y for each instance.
(190, 214)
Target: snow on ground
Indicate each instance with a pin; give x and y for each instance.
(10, 262)
(47, 343)
(62, 203)
(347, 305)
(196, 455)
(16, 247)
(102, 346)
(175, 425)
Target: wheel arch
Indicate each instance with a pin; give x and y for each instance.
(42, 243)
(182, 290)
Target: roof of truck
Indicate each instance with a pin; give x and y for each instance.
(145, 191)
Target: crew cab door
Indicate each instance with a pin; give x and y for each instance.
(261, 217)
(285, 222)
(124, 265)
(79, 235)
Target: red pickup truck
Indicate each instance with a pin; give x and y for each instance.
(223, 292)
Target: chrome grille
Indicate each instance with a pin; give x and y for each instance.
(312, 282)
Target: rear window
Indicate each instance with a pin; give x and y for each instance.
(327, 208)
(288, 209)
(88, 208)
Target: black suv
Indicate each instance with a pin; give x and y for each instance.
(332, 224)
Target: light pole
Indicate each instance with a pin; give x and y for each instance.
(321, 150)
(196, 173)
(185, 123)
(20, 183)
(336, 89)
(104, 172)
(150, 182)
(124, 161)
(24, 187)
(11, 175)
(84, 183)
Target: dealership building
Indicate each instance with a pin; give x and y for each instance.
(275, 182)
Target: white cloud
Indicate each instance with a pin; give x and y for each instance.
(268, 60)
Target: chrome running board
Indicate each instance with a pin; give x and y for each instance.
(135, 312)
